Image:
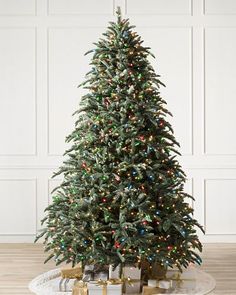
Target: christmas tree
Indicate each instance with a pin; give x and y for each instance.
(122, 199)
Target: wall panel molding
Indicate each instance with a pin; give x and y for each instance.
(159, 7)
(218, 210)
(14, 216)
(219, 72)
(11, 92)
(219, 7)
(80, 7)
(18, 8)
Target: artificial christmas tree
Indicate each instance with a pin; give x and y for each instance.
(122, 199)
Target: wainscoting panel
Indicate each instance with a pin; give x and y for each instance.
(74, 7)
(18, 91)
(18, 215)
(220, 7)
(220, 217)
(220, 77)
(17, 7)
(159, 7)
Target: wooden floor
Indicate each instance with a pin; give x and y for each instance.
(19, 263)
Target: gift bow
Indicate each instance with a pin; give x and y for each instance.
(80, 288)
(104, 284)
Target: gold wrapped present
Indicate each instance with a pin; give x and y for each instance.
(80, 288)
(147, 290)
(72, 273)
(110, 287)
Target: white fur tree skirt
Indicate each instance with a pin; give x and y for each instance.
(193, 281)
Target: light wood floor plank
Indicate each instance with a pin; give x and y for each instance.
(19, 263)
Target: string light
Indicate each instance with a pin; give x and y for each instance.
(120, 164)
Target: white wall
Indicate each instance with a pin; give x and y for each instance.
(41, 62)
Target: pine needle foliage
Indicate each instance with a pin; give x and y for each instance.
(122, 199)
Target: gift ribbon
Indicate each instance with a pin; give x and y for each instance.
(80, 288)
(104, 284)
(176, 277)
(129, 281)
(71, 273)
(108, 282)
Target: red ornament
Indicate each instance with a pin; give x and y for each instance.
(104, 200)
(170, 248)
(117, 245)
(117, 177)
(107, 102)
(161, 123)
(141, 137)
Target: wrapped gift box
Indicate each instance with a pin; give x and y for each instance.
(88, 273)
(66, 285)
(185, 279)
(102, 275)
(92, 274)
(75, 272)
(95, 289)
(147, 290)
(114, 274)
(134, 273)
(201, 283)
(163, 284)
